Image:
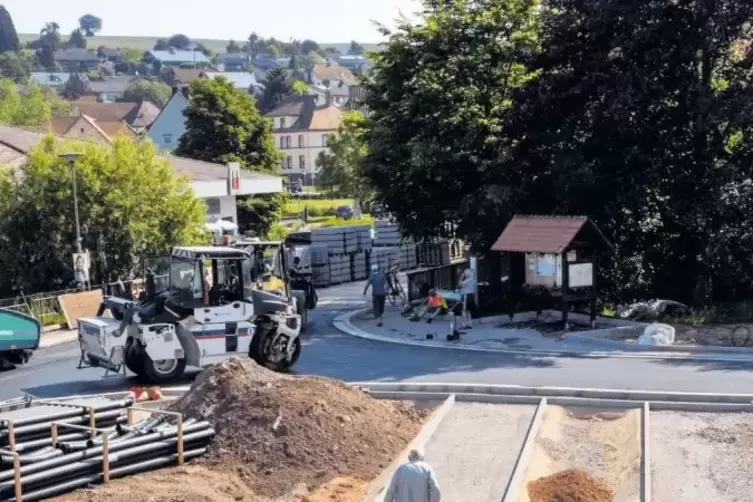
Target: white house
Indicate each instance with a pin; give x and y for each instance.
(302, 130)
(170, 124)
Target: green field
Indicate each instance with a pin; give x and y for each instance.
(146, 43)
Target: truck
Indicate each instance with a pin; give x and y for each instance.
(19, 338)
(210, 304)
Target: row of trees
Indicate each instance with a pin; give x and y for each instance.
(637, 114)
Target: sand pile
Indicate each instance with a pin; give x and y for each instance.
(282, 431)
(571, 485)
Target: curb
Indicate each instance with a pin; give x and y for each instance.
(645, 454)
(689, 349)
(515, 483)
(343, 323)
(375, 492)
(443, 388)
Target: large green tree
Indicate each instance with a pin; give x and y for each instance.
(8, 36)
(77, 40)
(277, 86)
(90, 24)
(131, 206)
(641, 117)
(224, 125)
(341, 168)
(31, 108)
(15, 66)
(438, 96)
(147, 89)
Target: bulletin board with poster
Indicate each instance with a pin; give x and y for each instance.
(81, 266)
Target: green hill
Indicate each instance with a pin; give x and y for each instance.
(146, 43)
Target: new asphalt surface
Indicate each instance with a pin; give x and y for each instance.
(327, 352)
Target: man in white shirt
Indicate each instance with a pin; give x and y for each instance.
(468, 292)
(414, 481)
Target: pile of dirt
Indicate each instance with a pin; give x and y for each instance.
(571, 485)
(283, 432)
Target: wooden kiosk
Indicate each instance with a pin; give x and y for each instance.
(558, 253)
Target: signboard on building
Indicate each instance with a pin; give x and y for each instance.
(233, 178)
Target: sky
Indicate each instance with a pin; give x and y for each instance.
(334, 21)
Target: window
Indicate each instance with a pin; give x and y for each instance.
(287, 141)
(302, 161)
(325, 139)
(290, 162)
(213, 205)
(282, 122)
(282, 142)
(300, 141)
(167, 139)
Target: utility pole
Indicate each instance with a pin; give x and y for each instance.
(71, 159)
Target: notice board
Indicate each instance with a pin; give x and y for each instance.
(76, 305)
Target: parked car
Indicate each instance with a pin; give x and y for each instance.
(296, 187)
(378, 210)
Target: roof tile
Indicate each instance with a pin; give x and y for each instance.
(539, 234)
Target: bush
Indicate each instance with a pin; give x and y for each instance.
(317, 208)
(341, 222)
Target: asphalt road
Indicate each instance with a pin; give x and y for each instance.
(52, 372)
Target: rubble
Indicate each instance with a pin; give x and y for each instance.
(571, 485)
(281, 431)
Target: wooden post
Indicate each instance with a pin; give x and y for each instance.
(130, 416)
(565, 287)
(92, 423)
(105, 459)
(54, 434)
(11, 436)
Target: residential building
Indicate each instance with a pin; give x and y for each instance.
(136, 115)
(331, 75)
(86, 128)
(112, 55)
(302, 130)
(210, 182)
(50, 79)
(181, 77)
(110, 89)
(170, 124)
(236, 61)
(337, 95)
(241, 80)
(77, 59)
(175, 57)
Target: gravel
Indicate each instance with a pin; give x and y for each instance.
(605, 445)
(701, 457)
(475, 448)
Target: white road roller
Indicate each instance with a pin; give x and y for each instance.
(209, 305)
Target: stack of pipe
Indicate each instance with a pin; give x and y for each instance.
(79, 458)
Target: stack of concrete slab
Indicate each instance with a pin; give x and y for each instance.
(333, 238)
(320, 265)
(387, 233)
(339, 268)
(434, 254)
(385, 257)
(408, 257)
(359, 265)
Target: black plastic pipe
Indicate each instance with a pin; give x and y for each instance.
(119, 472)
(45, 426)
(124, 456)
(31, 445)
(97, 450)
(66, 412)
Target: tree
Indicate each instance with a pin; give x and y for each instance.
(131, 207)
(77, 40)
(277, 87)
(203, 49)
(49, 41)
(647, 130)
(77, 85)
(31, 108)
(433, 147)
(224, 125)
(355, 48)
(254, 45)
(341, 170)
(161, 45)
(179, 41)
(8, 37)
(147, 89)
(309, 46)
(233, 47)
(90, 25)
(15, 66)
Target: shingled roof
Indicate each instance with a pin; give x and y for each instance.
(547, 234)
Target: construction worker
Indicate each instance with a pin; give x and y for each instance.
(378, 283)
(435, 305)
(414, 481)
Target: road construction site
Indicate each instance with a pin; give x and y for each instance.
(241, 432)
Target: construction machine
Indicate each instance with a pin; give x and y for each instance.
(19, 338)
(209, 304)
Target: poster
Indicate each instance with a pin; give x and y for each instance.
(81, 265)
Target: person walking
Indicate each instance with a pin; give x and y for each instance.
(378, 283)
(414, 481)
(468, 292)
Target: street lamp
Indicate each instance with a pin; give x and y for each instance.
(71, 159)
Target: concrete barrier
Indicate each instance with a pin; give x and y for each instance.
(375, 492)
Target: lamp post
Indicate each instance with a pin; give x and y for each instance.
(71, 159)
